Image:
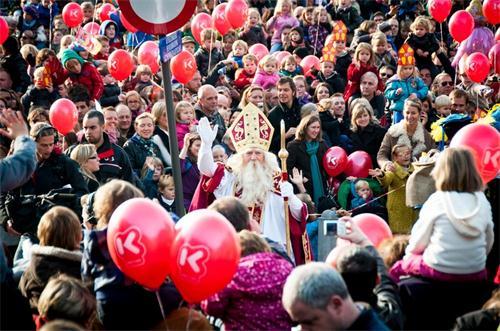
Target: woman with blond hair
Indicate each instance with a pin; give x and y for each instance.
(122, 303)
(88, 160)
(366, 134)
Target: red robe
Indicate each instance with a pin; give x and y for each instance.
(301, 247)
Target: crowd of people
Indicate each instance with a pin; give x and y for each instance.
(390, 82)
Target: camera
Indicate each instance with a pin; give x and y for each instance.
(333, 228)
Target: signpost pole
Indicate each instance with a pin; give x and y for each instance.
(172, 137)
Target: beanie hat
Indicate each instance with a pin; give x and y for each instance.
(69, 54)
(384, 27)
(77, 47)
(31, 10)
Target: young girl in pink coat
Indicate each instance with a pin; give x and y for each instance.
(267, 75)
(186, 122)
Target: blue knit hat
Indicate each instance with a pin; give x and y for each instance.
(31, 10)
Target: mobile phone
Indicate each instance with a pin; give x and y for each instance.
(333, 228)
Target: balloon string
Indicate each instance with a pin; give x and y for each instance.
(160, 304)
(190, 317)
(377, 198)
(317, 34)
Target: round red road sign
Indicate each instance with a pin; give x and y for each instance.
(157, 16)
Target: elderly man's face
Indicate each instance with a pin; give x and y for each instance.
(253, 154)
(425, 74)
(208, 100)
(368, 86)
(222, 102)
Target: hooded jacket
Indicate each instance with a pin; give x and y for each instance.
(252, 300)
(454, 232)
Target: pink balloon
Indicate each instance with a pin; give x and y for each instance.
(139, 238)
(258, 50)
(358, 164)
(461, 25)
(236, 13)
(72, 15)
(219, 19)
(91, 28)
(120, 64)
(484, 142)
(4, 30)
(126, 24)
(205, 254)
(477, 67)
(310, 62)
(491, 10)
(280, 56)
(494, 56)
(183, 67)
(63, 115)
(149, 53)
(439, 9)
(105, 11)
(199, 23)
(374, 227)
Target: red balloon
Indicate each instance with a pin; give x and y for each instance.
(236, 13)
(477, 67)
(63, 115)
(126, 24)
(91, 28)
(358, 164)
(461, 25)
(219, 19)
(309, 62)
(105, 11)
(280, 56)
(4, 30)
(258, 50)
(484, 141)
(149, 53)
(491, 10)
(183, 67)
(72, 15)
(120, 64)
(335, 161)
(494, 56)
(439, 9)
(199, 23)
(205, 254)
(374, 227)
(140, 233)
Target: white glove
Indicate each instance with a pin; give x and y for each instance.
(286, 189)
(207, 134)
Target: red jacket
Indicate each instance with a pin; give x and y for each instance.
(243, 80)
(90, 78)
(354, 79)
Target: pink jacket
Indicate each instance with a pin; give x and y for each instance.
(182, 129)
(252, 300)
(276, 24)
(265, 80)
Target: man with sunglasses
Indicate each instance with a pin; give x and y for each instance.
(386, 72)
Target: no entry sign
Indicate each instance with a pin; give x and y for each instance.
(157, 16)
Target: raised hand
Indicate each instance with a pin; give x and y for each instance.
(207, 134)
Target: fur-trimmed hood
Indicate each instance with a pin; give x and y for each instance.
(57, 252)
(416, 142)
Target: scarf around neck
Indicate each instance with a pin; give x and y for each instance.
(146, 144)
(312, 150)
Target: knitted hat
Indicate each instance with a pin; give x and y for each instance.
(339, 31)
(188, 40)
(77, 47)
(31, 10)
(69, 54)
(406, 56)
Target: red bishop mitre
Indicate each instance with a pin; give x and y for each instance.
(406, 56)
(251, 129)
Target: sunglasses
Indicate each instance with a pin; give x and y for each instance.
(450, 83)
(384, 74)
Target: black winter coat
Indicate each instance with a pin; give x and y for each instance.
(137, 155)
(291, 116)
(110, 95)
(349, 16)
(202, 56)
(18, 70)
(298, 158)
(427, 43)
(342, 63)
(38, 98)
(369, 140)
(336, 83)
(47, 261)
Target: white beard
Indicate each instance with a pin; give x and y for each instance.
(255, 180)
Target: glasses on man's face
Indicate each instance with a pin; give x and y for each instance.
(450, 83)
(384, 74)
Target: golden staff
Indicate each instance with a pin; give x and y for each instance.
(283, 155)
